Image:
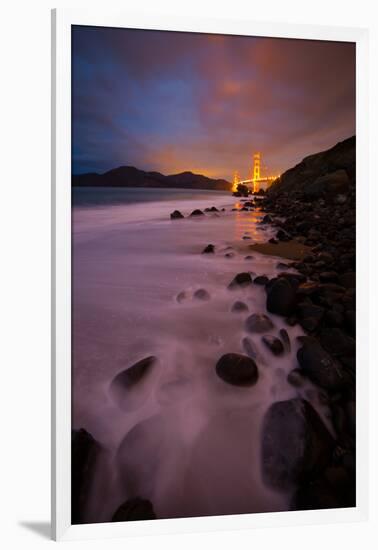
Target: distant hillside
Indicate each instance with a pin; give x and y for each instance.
(331, 171)
(128, 176)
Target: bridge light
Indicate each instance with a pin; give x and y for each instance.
(235, 182)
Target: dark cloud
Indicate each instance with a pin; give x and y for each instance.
(180, 101)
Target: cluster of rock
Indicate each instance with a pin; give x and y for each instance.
(314, 203)
(248, 205)
(177, 215)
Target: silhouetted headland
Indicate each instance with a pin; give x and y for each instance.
(129, 176)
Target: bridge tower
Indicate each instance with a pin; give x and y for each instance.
(256, 171)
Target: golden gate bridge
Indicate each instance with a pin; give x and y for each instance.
(257, 181)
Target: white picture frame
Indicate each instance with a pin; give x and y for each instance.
(61, 272)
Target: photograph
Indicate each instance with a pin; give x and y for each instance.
(213, 300)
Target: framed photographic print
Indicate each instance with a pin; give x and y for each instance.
(209, 328)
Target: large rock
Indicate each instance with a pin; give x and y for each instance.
(210, 249)
(309, 315)
(176, 215)
(84, 453)
(240, 280)
(201, 294)
(237, 369)
(197, 212)
(319, 366)
(258, 322)
(296, 378)
(135, 509)
(261, 280)
(249, 347)
(132, 375)
(285, 339)
(337, 343)
(239, 307)
(273, 344)
(296, 445)
(281, 298)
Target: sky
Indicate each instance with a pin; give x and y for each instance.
(171, 102)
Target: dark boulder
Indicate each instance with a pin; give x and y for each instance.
(296, 378)
(309, 315)
(328, 277)
(132, 375)
(210, 249)
(181, 296)
(249, 347)
(336, 342)
(291, 321)
(135, 509)
(201, 294)
(240, 280)
(261, 280)
(239, 307)
(197, 212)
(257, 323)
(281, 265)
(296, 445)
(237, 369)
(273, 344)
(285, 339)
(281, 298)
(307, 289)
(325, 257)
(295, 279)
(176, 215)
(319, 366)
(84, 453)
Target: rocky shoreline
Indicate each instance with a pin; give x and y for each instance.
(312, 210)
(315, 204)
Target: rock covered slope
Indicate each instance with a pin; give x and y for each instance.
(327, 173)
(128, 176)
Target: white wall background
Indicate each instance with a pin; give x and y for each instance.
(25, 272)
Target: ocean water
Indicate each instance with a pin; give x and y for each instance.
(182, 437)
